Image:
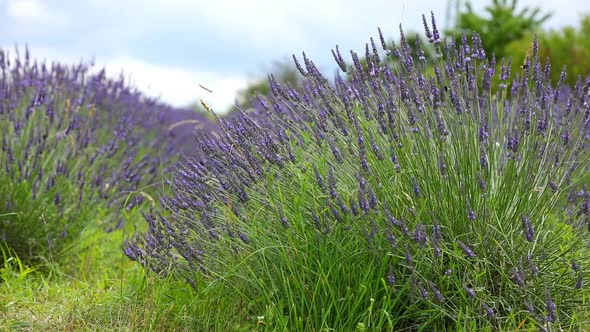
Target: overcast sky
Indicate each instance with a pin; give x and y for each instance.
(169, 47)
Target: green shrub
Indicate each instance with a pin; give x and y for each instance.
(391, 200)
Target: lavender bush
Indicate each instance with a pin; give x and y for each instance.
(76, 148)
(392, 198)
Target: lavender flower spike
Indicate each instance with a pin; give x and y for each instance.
(467, 250)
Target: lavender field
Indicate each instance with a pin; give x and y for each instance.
(427, 186)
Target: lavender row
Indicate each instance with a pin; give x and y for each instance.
(73, 139)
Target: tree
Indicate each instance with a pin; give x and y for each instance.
(502, 26)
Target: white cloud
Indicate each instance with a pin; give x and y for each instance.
(267, 29)
(32, 11)
(177, 86)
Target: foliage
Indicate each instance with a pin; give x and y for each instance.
(502, 26)
(567, 47)
(391, 199)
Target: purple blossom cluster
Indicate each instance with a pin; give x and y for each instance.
(73, 139)
(430, 161)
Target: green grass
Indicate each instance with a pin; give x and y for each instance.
(92, 286)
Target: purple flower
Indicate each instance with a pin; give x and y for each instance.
(372, 198)
(437, 294)
(375, 148)
(423, 292)
(575, 265)
(332, 185)
(316, 221)
(357, 64)
(282, 218)
(437, 231)
(435, 33)
(529, 306)
(579, 281)
(513, 143)
(298, 66)
(488, 311)
(382, 40)
(396, 164)
(318, 177)
(518, 278)
(408, 256)
(466, 250)
(527, 227)
(483, 132)
(436, 248)
(339, 60)
(420, 235)
(442, 166)
(427, 29)
(391, 276)
(335, 151)
(551, 309)
(417, 191)
(353, 206)
(533, 266)
(470, 291)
